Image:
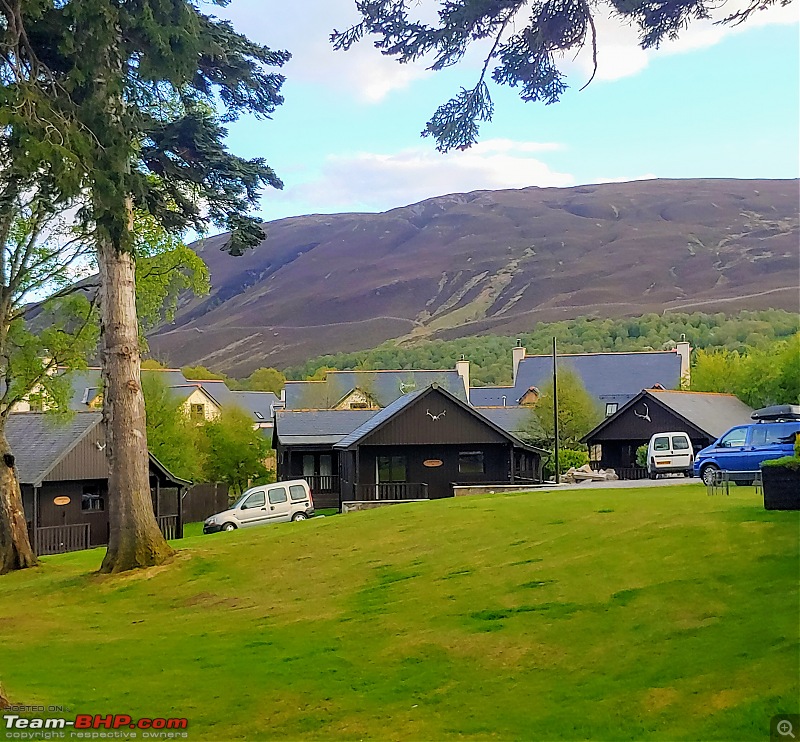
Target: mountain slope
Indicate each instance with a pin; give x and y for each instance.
(490, 261)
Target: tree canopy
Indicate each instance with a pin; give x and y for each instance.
(523, 42)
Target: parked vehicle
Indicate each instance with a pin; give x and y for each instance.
(742, 449)
(670, 452)
(269, 503)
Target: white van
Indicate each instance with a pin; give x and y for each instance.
(670, 452)
(268, 503)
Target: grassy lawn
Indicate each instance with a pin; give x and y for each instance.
(656, 613)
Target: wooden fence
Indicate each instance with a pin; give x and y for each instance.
(392, 491)
(170, 527)
(61, 539)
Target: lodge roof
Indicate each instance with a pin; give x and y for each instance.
(610, 377)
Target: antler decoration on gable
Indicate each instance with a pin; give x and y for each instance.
(436, 417)
(646, 415)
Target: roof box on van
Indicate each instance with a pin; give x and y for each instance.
(777, 412)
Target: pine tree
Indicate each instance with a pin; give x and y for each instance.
(120, 95)
(526, 39)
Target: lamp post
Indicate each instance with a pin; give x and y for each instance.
(555, 410)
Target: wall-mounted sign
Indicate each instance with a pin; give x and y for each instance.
(432, 463)
(63, 500)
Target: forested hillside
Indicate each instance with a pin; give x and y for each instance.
(490, 355)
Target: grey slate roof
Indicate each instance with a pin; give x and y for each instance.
(493, 396)
(317, 427)
(259, 403)
(384, 386)
(513, 420)
(713, 413)
(608, 377)
(86, 386)
(39, 441)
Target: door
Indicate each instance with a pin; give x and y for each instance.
(681, 448)
(278, 503)
(729, 451)
(253, 511)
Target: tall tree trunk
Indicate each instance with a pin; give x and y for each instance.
(135, 539)
(15, 546)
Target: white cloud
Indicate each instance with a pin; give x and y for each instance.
(304, 28)
(363, 72)
(374, 181)
(619, 54)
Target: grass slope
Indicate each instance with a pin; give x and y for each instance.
(634, 614)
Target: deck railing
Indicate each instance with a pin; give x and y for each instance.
(169, 526)
(61, 539)
(392, 491)
(322, 483)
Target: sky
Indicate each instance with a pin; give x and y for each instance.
(720, 102)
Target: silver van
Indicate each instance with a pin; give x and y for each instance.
(268, 503)
(670, 452)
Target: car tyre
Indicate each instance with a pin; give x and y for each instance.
(229, 527)
(707, 473)
(299, 516)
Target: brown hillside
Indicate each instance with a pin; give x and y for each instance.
(491, 261)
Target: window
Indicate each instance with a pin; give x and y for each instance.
(661, 443)
(92, 499)
(298, 492)
(256, 500)
(679, 443)
(734, 438)
(391, 469)
(471, 462)
(277, 495)
(198, 412)
(611, 408)
(595, 452)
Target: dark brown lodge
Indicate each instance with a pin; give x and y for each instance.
(704, 416)
(418, 447)
(63, 474)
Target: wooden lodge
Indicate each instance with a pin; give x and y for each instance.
(703, 416)
(63, 474)
(417, 447)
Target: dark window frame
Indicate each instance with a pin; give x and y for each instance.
(477, 457)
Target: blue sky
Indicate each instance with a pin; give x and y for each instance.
(719, 102)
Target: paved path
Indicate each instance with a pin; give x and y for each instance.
(621, 484)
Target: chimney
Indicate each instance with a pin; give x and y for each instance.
(684, 350)
(462, 368)
(517, 354)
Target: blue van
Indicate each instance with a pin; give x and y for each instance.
(743, 448)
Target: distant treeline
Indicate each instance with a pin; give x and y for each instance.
(490, 355)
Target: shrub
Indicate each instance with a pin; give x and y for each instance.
(566, 458)
(641, 456)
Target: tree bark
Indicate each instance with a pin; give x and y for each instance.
(135, 539)
(15, 546)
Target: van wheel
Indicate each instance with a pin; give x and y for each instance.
(299, 516)
(707, 474)
(229, 527)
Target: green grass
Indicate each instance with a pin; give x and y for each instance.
(656, 613)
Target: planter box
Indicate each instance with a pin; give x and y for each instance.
(781, 488)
